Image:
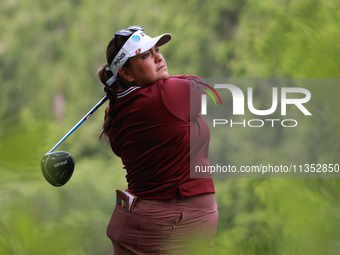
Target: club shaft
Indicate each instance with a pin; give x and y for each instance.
(102, 101)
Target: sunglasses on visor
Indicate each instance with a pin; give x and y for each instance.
(127, 32)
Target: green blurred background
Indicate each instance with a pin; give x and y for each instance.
(49, 53)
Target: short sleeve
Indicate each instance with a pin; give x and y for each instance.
(182, 96)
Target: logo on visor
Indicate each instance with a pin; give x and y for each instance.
(135, 38)
(138, 51)
(119, 58)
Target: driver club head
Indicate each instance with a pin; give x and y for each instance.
(57, 167)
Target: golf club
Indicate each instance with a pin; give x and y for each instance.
(57, 167)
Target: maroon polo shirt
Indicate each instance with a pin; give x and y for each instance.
(151, 134)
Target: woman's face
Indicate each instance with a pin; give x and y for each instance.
(148, 68)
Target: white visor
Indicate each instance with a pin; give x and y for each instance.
(138, 43)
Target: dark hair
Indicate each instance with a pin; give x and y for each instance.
(104, 73)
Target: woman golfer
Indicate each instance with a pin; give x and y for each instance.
(153, 125)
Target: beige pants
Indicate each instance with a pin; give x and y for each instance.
(184, 226)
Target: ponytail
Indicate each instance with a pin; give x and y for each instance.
(111, 93)
(104, 74)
